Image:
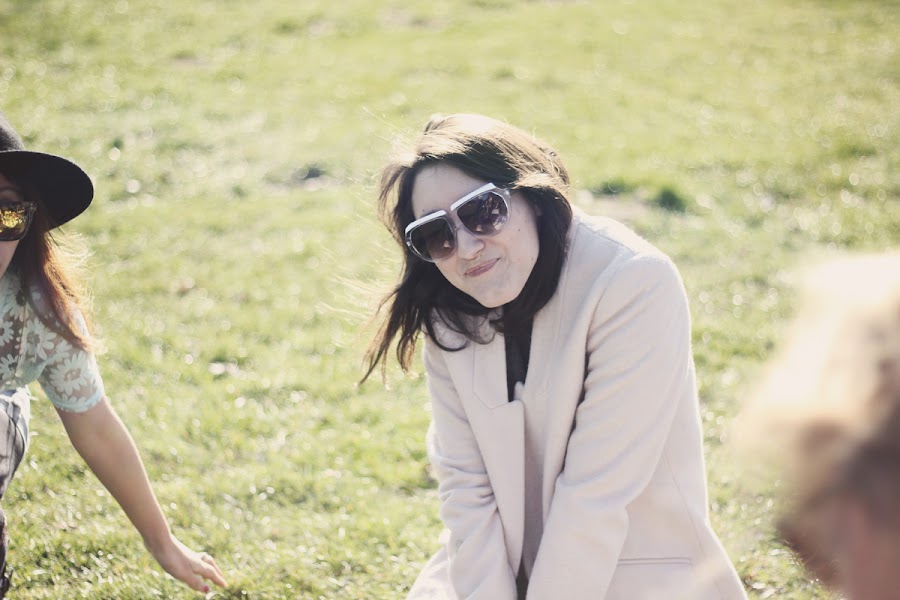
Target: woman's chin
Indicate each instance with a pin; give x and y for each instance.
(495, 300)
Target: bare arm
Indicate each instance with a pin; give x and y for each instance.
(104, 443)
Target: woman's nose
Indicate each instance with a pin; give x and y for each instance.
(468, 245)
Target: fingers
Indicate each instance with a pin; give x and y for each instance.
(196, 582)
(203, 567)
(192, 568)
(210, 570)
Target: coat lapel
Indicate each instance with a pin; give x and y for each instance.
(545, 341)
(489, 372)
(499, 425)
(500, 430)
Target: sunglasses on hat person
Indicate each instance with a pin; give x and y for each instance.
(15, 214)
(482, 213)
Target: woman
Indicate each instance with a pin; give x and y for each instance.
(828, 417)
(565, 433)
(44, 338)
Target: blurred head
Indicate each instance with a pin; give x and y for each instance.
(516, 267)
(829, 415)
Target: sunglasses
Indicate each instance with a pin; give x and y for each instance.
(15, 218)
(483, 213)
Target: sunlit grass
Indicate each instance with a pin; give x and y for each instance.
(233, 147)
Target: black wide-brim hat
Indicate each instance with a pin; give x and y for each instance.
(65, 190)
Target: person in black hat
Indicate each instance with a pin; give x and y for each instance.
(44, 337)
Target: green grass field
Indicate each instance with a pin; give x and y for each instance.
(236, 259)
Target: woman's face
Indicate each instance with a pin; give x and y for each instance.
(8, 193)
(492, 270)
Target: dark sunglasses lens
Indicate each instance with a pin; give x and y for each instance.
(484, 214)
(14, 222)
(433, 240)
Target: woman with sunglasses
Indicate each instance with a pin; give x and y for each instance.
(565, 435)
(44, 338)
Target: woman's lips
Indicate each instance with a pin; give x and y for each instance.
(481, 268)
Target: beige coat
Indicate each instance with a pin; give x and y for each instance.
(623, 485)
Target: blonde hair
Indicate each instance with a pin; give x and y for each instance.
(828, 412)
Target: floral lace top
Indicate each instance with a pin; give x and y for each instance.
(30, 350)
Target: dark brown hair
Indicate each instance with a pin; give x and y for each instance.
(491, 151)
(43, 266)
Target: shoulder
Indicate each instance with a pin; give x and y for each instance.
(603, 250)
(39, 305)
(10, 293)
(26, 301)
(593, 235)
(40, 312)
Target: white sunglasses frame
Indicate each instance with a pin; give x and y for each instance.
(443, 214)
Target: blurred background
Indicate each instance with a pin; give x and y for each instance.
(236, 260)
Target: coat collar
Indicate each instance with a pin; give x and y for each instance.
(505, 421)
(490, 359)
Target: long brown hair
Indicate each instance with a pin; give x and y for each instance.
(491, 151)
(43, 265)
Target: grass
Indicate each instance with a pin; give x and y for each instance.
(233, 147)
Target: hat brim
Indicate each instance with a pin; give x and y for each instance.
(64, 188)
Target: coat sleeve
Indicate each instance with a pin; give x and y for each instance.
(638, 365)
(478, 565)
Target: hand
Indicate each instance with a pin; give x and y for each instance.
(188, 566)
